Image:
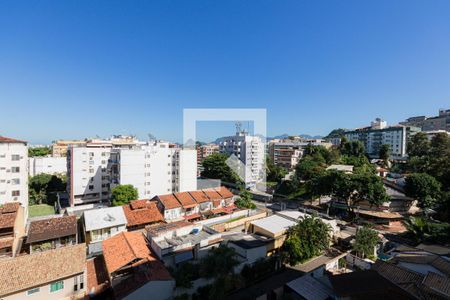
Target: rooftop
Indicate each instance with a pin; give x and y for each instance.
(224, 192)
(212, 194)
(124, 249)
(192, 239)
(52, 228)
(169, 201)
(104, 218)
(8, 213)
(27, 271)
(274, 224)
(199, 196)
(310, 288)
(185, 199)
(343, 168)
(142, 212)
(4, 139)
(249, 241)
(316, 262)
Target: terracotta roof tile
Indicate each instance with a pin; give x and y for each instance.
(8, 213)
(169, 201)
(6, 242)
(125, 248)
(9, 207)
(199, 196)
(144, 212)
(212, 194)
(27, 271)
(4, 139)
(52, 228)
(224, 192)
(97, 276)
(185, 199)
(155, 230)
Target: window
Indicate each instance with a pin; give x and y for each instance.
(15, 169)
(56, 286)
(15, 181)
(78, 282)
(15, 157)
(15, 193)
(91, 187)
(32, 291)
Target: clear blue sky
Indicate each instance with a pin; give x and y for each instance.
(73, 69)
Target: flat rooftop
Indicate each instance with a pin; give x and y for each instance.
(191, 238)
(274, 224)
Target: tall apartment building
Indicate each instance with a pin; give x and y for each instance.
(47, 164)
(287, 152)
(380, 134)
(203, 152)
(439, 122)
(251, 152)
(153, 168)
(13, 171)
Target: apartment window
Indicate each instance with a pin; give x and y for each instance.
(103, 162)
(15, 157)
(15, 193)
(15, 181)
(91, 187)
(91, 154)
(15, 170)
(91, 170)
(2, 155)
(32, 291)
(103, 153)
(56, 286)
(78, 283)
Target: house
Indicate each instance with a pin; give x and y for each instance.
(273, 227)
(170, 207)
(52, 233)
(308, 287)
(55, 274)
(202, 199)
(348, 169)
(295, 215)
(11, 228)
(181, 241)
(134, 271)
(140, 213)
(251, 247)
(218, 202)
(191, 209)
(102, 223)
(226, 195)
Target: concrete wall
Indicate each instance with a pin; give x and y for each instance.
(47, 165)
(155, 290)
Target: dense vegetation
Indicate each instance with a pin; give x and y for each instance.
(43, 188)
(122, 194)
(365, 241)
(39, 151)
(215, 167)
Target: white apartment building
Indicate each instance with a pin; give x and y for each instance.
(153, 168)
(47, 165)
(13, 171)
(251, 152)
(380, 134)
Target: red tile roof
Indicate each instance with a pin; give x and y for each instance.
(10, 207)
(52, 228)
(124, 249)
(142, 212)
(212, 194)
(97, 276)
(8, 214)
(169, 201)
(224, 192)
(6, 242)
(191, 217)
(199, 196)
(4, 139)
(185, 199)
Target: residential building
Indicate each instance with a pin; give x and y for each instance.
(343, 168)
(379, 134)
(432, 133)
(153, 168)
(14, 171)
(12, 228)
(251, 247)
(140, 213)
(52, 233)
(287, 152)
(181, 241)
(55, 274)
(101, 224)
(59, 148)
(203, 151)
(250, 150)
(439, 122)
(190, 207)
(133, 270)
(170, 207)
(203, 200)
(47, 165)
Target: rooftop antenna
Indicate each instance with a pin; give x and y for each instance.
(238, 127)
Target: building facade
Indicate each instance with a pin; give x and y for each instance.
(203, 151)
(379, 134)
(47, 165)
(13, 171)
(250, 150)
(439, 122)
(153, 168)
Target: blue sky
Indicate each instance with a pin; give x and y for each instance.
(74, 69)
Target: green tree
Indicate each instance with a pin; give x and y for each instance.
(308, 166)
(384, 152)
(365, 241)
(305, 240)
(245, 200)
(43, 188)
(122, 194)
(423, 187)
(353, 148)
(38, 151)
(336, 133)
(418, 145)
(274, 173)
(417, 228)
(215, 167)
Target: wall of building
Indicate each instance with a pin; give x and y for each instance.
(14, 173)
(159, 290)
(47, 165)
